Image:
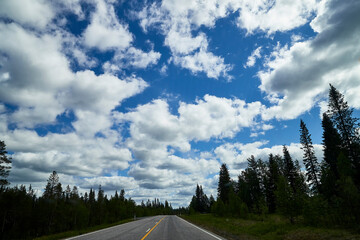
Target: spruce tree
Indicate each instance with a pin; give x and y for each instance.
(273, 177)
(52, 186)
(332, 146)
(5, 162)
(289, 169)
(224, 184)
(252, 179)
(309, 159)
(341, 115)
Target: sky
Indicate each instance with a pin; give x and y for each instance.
(153, 96)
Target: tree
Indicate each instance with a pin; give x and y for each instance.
(332, 145)
(309, 159)
(224, 184)
(52, 187)
(289, 169)
(200, 202)
(252, 179)
(341, 115)
(273, 177)
(5, 162)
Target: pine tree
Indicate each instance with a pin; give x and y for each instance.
(5, 162)
(224, 184)
(309, 159)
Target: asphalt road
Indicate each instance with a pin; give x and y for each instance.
(158, 227)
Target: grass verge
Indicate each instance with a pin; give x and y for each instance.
(273, 227)
(74, 233)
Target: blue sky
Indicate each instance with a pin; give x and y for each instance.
(153, 96)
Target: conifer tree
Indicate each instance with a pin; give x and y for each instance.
(52, 186)
(341, 115)
(5, 162)
(332, 146)
(273, 177)
(289, 169)
(224, 184)
(309, 159)
(252, 179)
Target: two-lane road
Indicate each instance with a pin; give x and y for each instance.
(158, 227)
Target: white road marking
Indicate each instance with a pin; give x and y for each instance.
(216, 237)
(148, 230)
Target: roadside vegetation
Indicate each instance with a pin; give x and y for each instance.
(269, 227)
(275, 197)
(63, 212)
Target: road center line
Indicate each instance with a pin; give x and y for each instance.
(152, 228)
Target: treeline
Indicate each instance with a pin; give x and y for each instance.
(23, 215)
(325, 193)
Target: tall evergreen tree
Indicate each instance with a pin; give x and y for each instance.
(341, 115)
(5, 166)
(252, 179)
(224, 184)
(332, 146)
(289, 169)
(273, 177)
(310, 160)
(52, 186)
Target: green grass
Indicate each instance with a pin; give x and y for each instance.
(69, 234)
(270, 228)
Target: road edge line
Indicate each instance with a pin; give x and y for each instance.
(214, 236)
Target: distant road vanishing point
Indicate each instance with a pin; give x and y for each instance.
(151, 228)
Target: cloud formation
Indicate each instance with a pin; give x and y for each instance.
(297, 76)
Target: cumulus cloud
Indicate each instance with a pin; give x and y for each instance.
(298, 76)
(105, 32)
(272, 16)
(153, 128)
(176, 21)
(37, 13)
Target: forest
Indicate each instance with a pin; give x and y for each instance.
(23, 215)
(322, 193)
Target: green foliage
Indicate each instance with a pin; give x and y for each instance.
(272, 227)
(309, 159)
(24, 216)
(200, 202)
(224, 184)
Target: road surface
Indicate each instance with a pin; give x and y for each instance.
(158, 227)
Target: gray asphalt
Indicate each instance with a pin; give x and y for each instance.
(169, 228)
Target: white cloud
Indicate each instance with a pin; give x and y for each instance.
(272, 16)
(153, 128)
(298, 76)
(176, 21)
(204, 61)
(36, 71)
(35, 13)
(132, 57)
(105, 32)
(252, 58)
